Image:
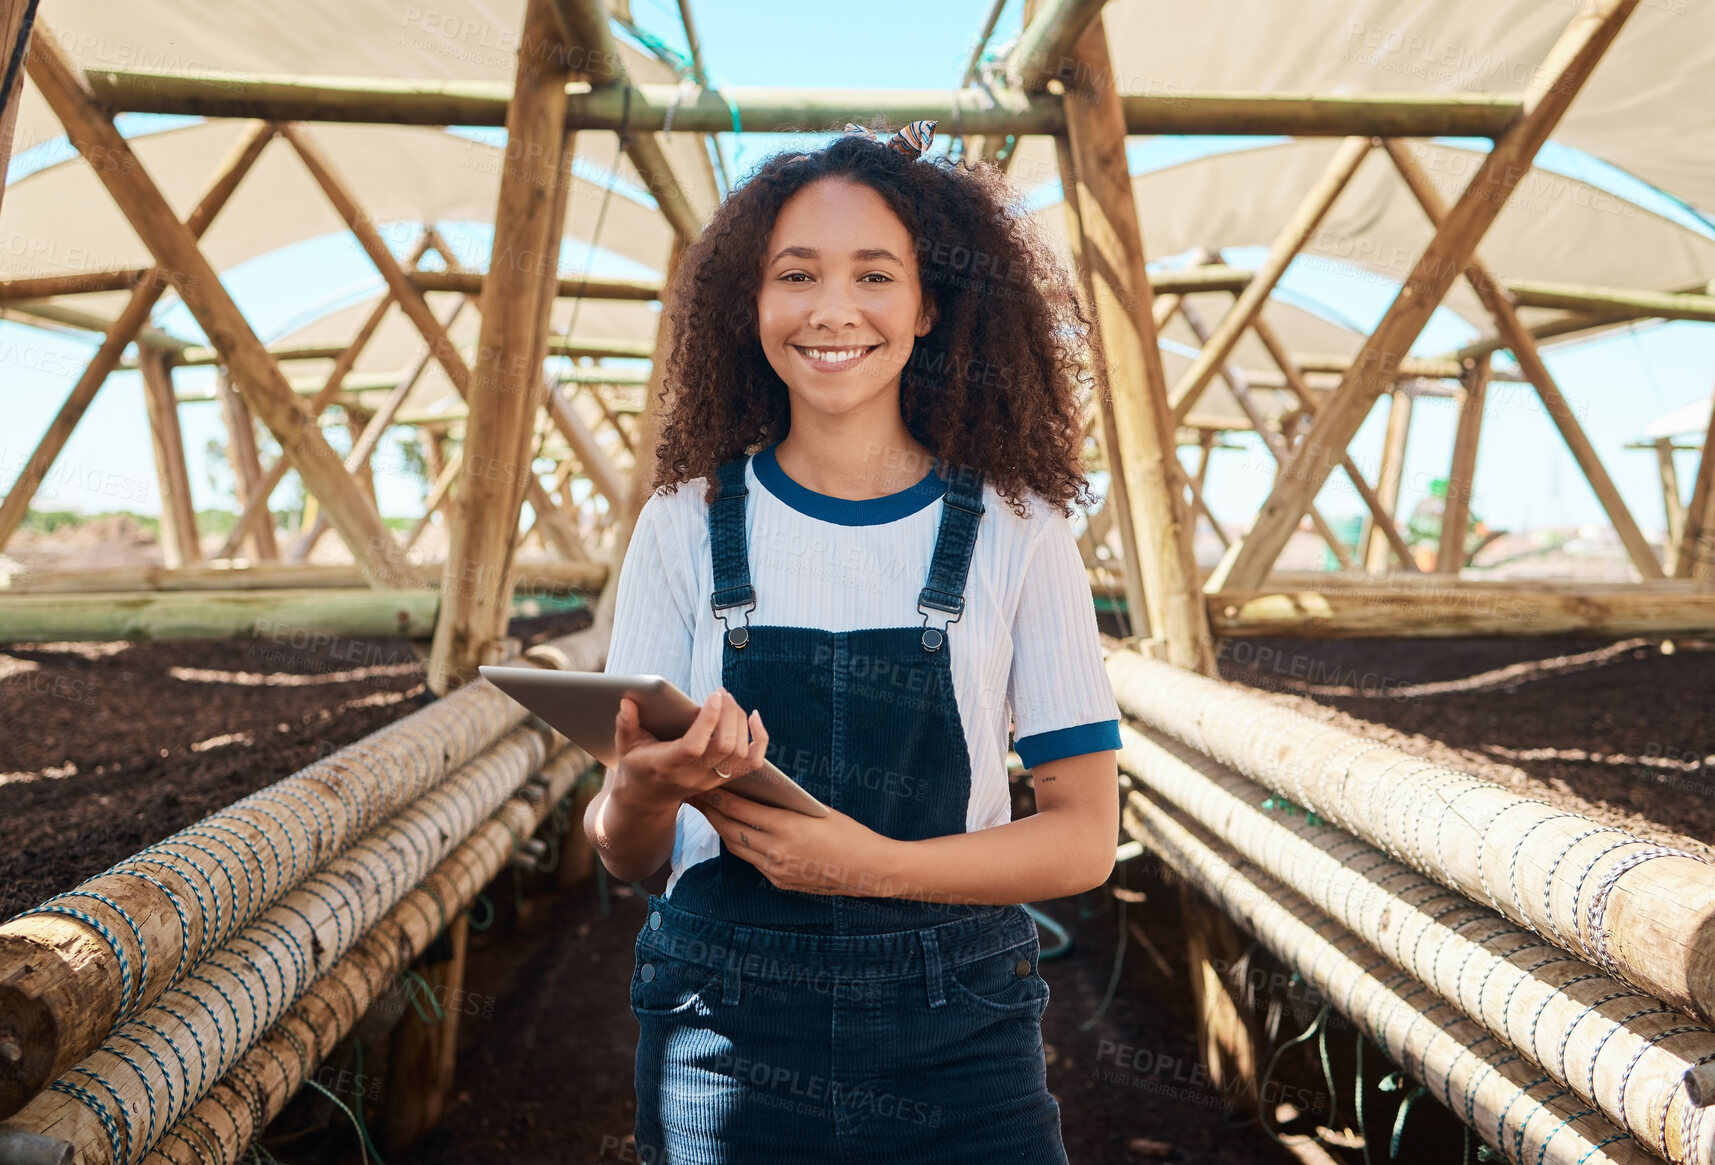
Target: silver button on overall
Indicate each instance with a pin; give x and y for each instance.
(654, 920)
(648, 972)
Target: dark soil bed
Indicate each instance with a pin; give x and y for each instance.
(108, 750)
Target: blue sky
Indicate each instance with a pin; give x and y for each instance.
(1525, 477)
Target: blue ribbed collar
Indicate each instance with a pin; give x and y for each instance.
(846, 511)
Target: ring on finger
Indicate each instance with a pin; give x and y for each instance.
(721, 774)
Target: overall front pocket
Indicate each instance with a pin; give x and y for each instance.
(1006, 983)
(664, 984)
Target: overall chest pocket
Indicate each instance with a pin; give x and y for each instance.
(663, 984)
(1005, 983)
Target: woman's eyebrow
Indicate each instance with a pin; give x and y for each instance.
(867, 253)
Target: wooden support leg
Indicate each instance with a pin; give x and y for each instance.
(1226, 1032)
(136, 314)
(1118, 502)
(1696, 557)
(503, 393)
(1568, 64)
(1388, 477)
(1673, 506)
(1456, 514)
(247, 472)
(179, 544)
(1124, 310)
(423, 1055)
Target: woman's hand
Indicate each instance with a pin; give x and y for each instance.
(655, 775)
(835, 854)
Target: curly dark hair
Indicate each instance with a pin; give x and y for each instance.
(994, 386)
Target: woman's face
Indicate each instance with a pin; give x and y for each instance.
(840, 306)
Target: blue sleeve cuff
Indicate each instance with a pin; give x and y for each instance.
(1042, 747)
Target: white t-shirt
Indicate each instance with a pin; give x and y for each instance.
(1025, 651)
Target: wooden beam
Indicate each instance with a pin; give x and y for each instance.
(207, 614)
(1044, 48)
(471, 283)
(1535, 370)
(247, 474)
(1696, 558)
(1456, 513)
(1633, 304)
(404, 291)
(1123, 308)
(175, 249)
(42, 313)
(643, 108)
(504, 392)
(1294, 380)
(1273, 440)
(1118, 501)
(178, 517)
(330, 389)
(232, 169)
(1569, 63)
(422, 1053)
(1437, 611)
(78, 283)
(544, 578)
(1287, 244)
(368, 437)
(1389, 475)
(606, 479)
(437, 496)
(16, 19)
(203, 357)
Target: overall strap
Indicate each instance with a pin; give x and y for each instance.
(730, 552)
(961, 512)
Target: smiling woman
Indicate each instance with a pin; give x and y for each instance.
(872, 421)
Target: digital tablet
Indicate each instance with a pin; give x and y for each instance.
(582, 706)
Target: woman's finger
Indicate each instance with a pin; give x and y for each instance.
(695, 741)
(758, 744)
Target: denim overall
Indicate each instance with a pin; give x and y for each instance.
(783, 1026)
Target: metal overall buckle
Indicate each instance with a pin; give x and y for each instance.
(740, 635)
(935, 637)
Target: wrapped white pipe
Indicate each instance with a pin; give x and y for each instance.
(82, 961)
(115, 1104)
(1641, 911)
(1507, 1103)
(1616, 1048)
(255, 1091)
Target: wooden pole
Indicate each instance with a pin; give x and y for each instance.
(504, 392)
(330, 389)
(1696, 557)
(179, 544)
(1536, 371)
(16, 19)
(1118, 503)
(1456, 513)
(437, 496)
(1557, 81)
(1287, 244)
(471, 283)
(773, 109)
(1673, 506)
(175, 249)
(247, 467)
(423, 1053)
(1293, 374)
(123, 329)
(1389, 476)
(1123, 303)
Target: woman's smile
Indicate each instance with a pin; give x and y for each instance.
(833, 359)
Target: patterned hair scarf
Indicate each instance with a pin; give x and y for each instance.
(912, 140)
